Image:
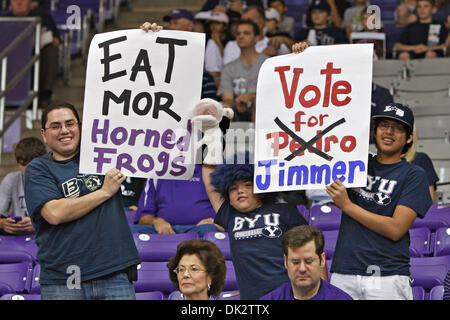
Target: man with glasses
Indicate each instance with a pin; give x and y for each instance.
(304, 259)
(86, 249)
(371, 259)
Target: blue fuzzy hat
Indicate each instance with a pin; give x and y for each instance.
(224, 175)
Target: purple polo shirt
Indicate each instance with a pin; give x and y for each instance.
(179, 202)
(326, 292)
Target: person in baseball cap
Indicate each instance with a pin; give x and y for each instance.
(320, 5)
(180, 19)
(376, 218)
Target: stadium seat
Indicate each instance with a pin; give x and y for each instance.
(130, 214)
(5, 288)
(420, 242)
(35, 287)
(15, 296)
(442, 242)
(328, 268)
(429, 272)
(230, 278)
(438, 216)
(418, 293)
(220, 239)
(387, 68)
(330, 242)
(152, 295)
(428, 67)
(16, 275)
(437, 293)
(325, 217)
(153, 276)
(160, 247)
(17, 249)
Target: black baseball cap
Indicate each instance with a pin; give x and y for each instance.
(396, 111)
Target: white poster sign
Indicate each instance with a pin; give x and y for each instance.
(312, 118)
(140, 88)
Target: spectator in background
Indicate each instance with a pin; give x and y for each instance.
(239, 78)
(286, 23)
(162, 208)
(304, 260)
(321, 33)
(442, 11)
(217, 22)
(405, 13)
(198, 270)
(424, 38)
(229, 5)
(337, 9)
(352, 17)
(14, 217)
(422, 160)
(277, 37)
(131, 189)
(50, 41)
(263, 45)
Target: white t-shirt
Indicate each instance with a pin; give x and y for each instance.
(213, 57)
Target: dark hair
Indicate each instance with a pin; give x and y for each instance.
(211, 257)
(251, 23)
(58, 105)
(259, 9)
(300, 235)
(406, 127)
(27, 149)
(270, 2)
(430, 1)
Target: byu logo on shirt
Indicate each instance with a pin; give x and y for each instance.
(71, 188)
(254, 228)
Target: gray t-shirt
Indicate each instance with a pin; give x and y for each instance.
(287, 25)
(11, 192)
(238, 78)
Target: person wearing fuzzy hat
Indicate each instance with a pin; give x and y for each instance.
(254, 223)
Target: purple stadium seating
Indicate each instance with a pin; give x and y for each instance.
(17, 249)
(420, 242)
(330, 242)
(328, 268)
(438, 216)
(325, 217)
(230, 278)
(442, 242)
(160, 247)
(153, 295)
(437, 293)
(220, 239)
(12, 135)
(35, 288)
(23, 52)
(130, 214)
(5, 288)
(418, 293)
(429, 272)
(16, 275)
(15, 296)
(153, 276)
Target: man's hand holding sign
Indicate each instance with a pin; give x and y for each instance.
(312, 121)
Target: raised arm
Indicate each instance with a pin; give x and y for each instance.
(214, 197)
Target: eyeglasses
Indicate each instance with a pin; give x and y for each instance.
(193, 269)
(384, 126)
(56, 126)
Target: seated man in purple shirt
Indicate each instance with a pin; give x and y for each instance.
(304, 259)
(175, 206)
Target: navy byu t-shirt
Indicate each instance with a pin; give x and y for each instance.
(99, 243)
(360, 251)
(255, 243)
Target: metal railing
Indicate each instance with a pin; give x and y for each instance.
(5, 87)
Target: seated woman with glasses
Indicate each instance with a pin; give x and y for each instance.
(198, 270)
